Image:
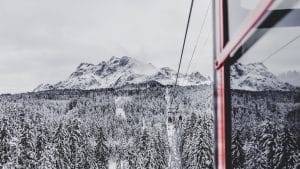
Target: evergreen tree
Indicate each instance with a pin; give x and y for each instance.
(47, 158)
(160, 148)
(238, 154)
(142, 146)
(205, 147)
(89, 159)
(101, 152)
(187, 144)
(75, 140)
(41, 140)
(288, 154)
(264, 151)
(156, 156)
(197, 144)
(4, 142)
(131, 157)
(27, 158)
(62, 153)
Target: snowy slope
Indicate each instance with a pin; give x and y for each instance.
(256, 77)
(121, 71)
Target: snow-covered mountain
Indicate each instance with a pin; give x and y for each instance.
(120, 71)
(256, 77)
(292, 77)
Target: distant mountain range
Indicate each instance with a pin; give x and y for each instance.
(292, 77)
(128, 72)
(122, 71)
(256, 77)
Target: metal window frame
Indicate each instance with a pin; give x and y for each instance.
(223, 48)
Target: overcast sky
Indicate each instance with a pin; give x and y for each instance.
(43, 41)
(279, 56)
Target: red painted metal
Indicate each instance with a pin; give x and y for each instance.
(254, 17)
(220, 99)
(221, 120)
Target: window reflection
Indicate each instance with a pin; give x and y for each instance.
(265, 98)
(238, 12)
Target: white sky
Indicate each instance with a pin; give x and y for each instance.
(286, 59)
(43, 41)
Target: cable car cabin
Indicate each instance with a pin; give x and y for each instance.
(171, 115)
(257, 75)
(174, 117)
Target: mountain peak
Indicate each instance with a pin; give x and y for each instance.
(119, 60)
(255, 77)
(120, 71)
(84, 65)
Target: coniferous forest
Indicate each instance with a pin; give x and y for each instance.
(130, 127)
(265, 129)
(122, 128)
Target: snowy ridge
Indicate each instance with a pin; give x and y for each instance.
(256, 77)
(120, 71)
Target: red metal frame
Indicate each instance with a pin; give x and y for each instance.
(253, 18)
(223, 54)
(221, 149)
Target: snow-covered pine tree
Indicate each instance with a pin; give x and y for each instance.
(131, 157)
(75, 140)
(101, 152)
(142, 146)
(196, 143)
(161, 149)
(206, 152)
(47, 158)
(4, 142)
(151, 154)
(202, 147)
(89, 159)
(156, 158)
(238, 154)
(42, 139)
(289, 152)
(264, 150)
(27, 158)
(62, 155)
(187, 143)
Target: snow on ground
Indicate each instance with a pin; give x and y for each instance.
(120, 102)
(112, 164)
(120, 113)
(170, 133)
(174, 156)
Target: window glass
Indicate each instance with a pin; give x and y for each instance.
(99, 85)
(265, 97)
(237, 13)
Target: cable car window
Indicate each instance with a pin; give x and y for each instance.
(265, 94)
(237, 13)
